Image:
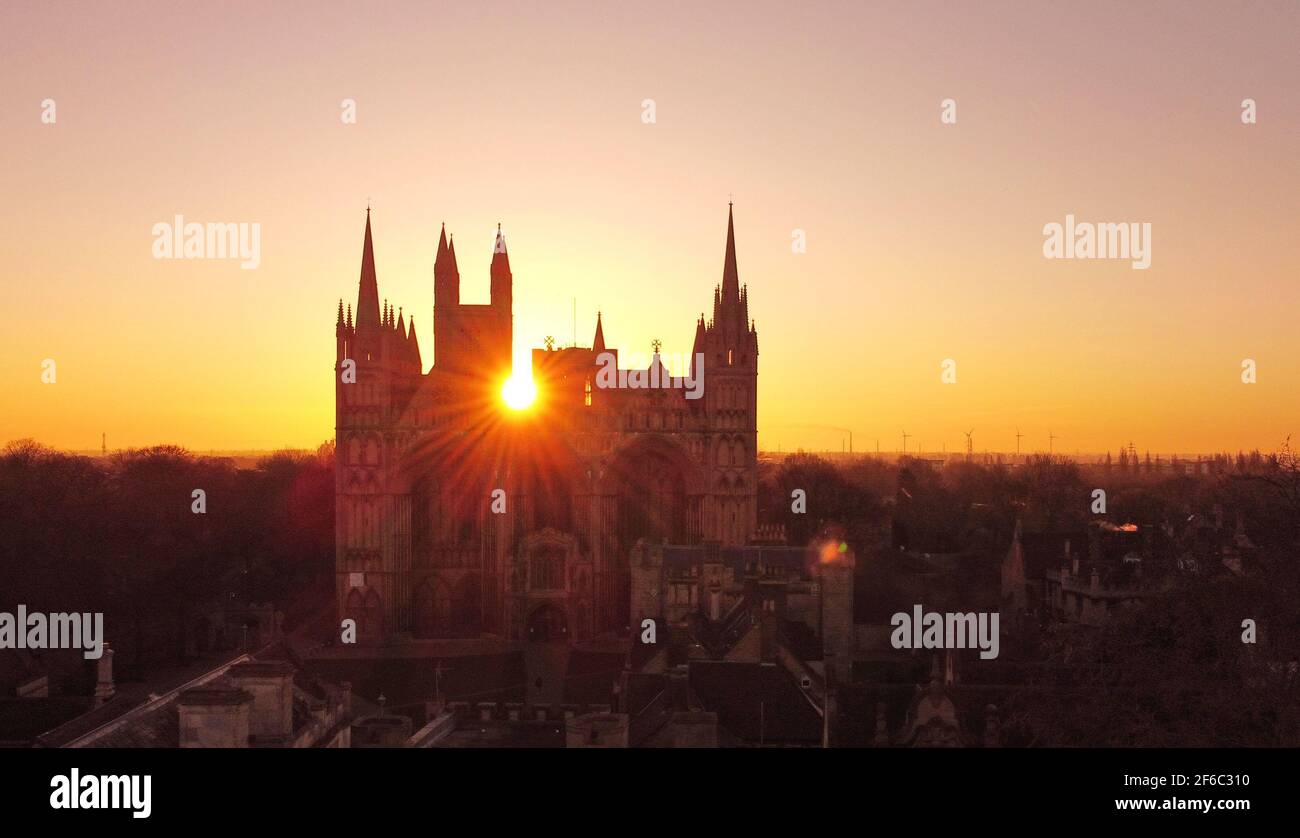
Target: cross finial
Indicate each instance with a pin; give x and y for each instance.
(655, 344)
(367, 206)
(731, 198)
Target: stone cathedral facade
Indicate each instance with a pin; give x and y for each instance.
(459, 517)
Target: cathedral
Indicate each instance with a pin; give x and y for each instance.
(458, 517)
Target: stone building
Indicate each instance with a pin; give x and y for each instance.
(457, 517)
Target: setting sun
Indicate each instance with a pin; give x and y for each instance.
(519, 392)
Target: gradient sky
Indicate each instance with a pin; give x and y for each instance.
(924, 240)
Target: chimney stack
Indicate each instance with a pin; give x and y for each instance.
(104, 689)
(270, 683)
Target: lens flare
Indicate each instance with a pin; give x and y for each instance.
(519, 392)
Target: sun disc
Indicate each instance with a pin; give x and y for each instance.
(519, 392)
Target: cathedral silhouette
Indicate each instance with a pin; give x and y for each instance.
(457, 517)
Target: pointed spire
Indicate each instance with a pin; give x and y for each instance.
(730, 276)
(451, 253)
(598, 342)
(446, 284)
(339, 322)
(500, 271)
(413, 342)
(442, 244)
(698, 346)
(368, 293)
(349, 315)
(401, 324)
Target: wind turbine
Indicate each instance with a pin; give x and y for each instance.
(1051, 437)
(969, 449)
(906, 436)
(1018, 437)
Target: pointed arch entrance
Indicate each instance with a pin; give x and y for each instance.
(548, 624)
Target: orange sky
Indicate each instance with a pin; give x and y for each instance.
(924, 240)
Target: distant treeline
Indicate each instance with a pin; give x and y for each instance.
(119, 534)
(974, 504)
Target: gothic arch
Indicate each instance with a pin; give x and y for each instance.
(368, 611)
(548, 624)
(466, 605)
(653, 478)
(723, 453)
(433, 611)
(373, 612)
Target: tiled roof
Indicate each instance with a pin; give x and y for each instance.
(590, 677)
(22, 720)
(737, 558)
(407, 683)
(756, 701)
(156, 723)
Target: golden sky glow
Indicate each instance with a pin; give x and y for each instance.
(924, 241)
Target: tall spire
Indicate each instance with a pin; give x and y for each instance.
(368, 293)
(730, 276)
(598, 342)
(442, 244)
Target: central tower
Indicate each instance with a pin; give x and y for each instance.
(474, 342)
